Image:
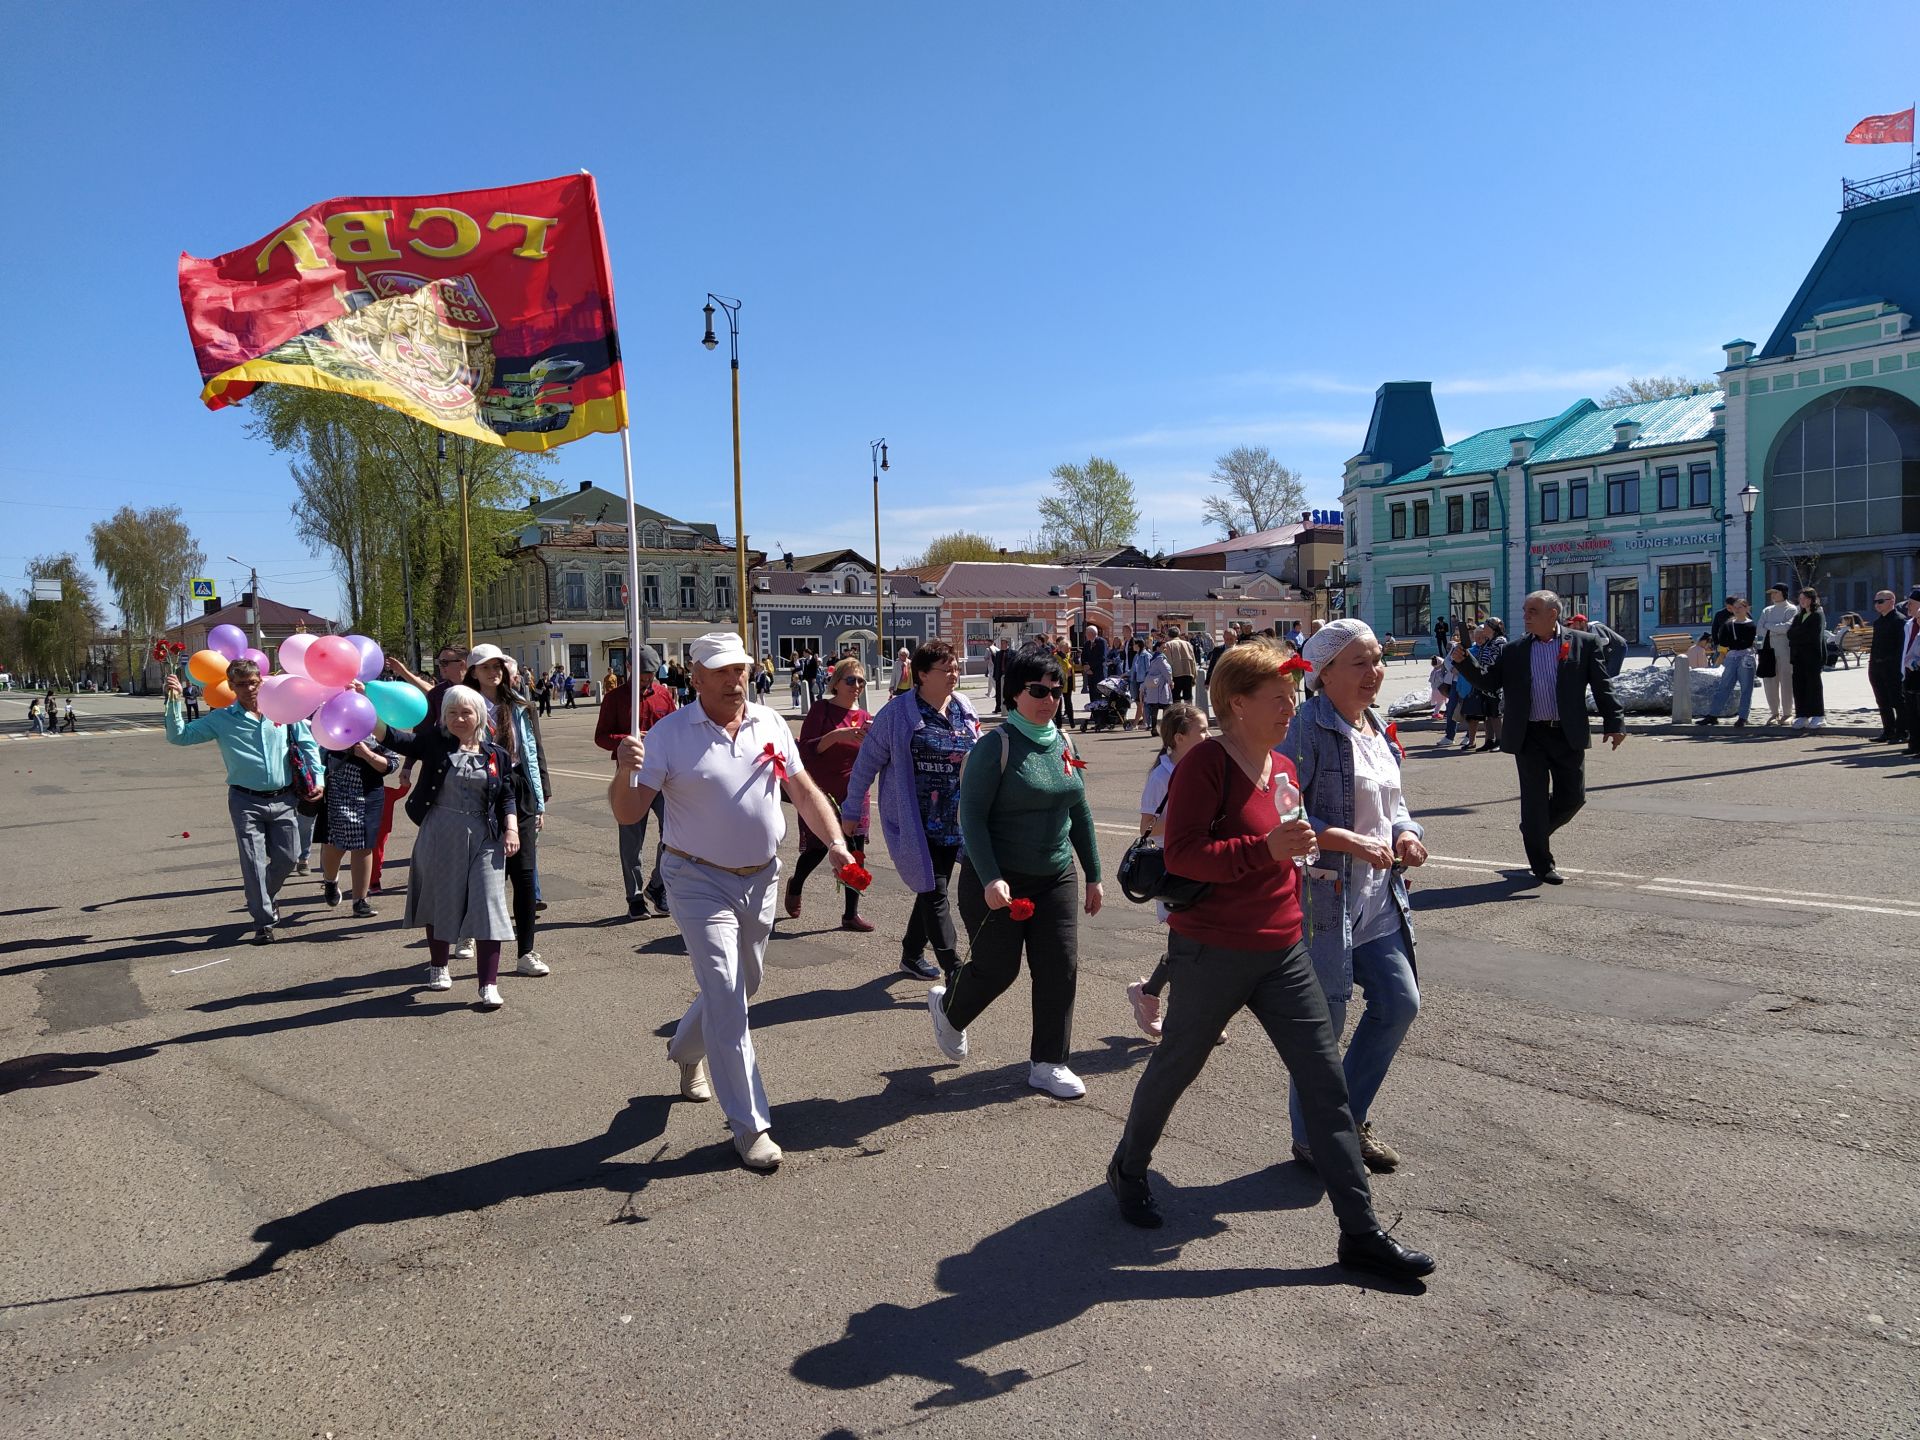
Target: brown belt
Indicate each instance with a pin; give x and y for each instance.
(729, 869)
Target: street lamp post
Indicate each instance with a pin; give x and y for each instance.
(1086, 594)
(1749, 497)
(732, 307)
(877, 452)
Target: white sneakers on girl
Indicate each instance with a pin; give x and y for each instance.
(531, 964)
(438, 978)
(1056, 1080)
(490, 998)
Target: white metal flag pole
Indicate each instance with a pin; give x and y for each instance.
(633, 599)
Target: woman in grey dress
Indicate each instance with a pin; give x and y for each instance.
(350, 824)
(464, 805)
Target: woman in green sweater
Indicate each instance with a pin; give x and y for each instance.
(1024, 818)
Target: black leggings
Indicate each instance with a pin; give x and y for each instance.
(810, 859)
(520, 866)
(932, 920)
(1050, 938)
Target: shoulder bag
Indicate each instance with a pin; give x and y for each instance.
(1144, 876)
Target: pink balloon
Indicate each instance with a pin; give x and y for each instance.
(373, 660)
(229, 640)
(287, 698)
(344, 721)
(258, 657)
(293, 653)
(333, 661)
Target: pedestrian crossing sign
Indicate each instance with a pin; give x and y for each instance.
(201, 588)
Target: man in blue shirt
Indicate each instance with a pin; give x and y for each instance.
(261, 785)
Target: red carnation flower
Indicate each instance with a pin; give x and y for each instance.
(1566, 648)
(1021, 909)
(854, 876)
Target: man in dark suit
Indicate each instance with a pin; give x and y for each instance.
(997, 661)
(1543, 679)
(1883, 668)
(1093, 657)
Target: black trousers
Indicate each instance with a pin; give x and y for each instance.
(1809, 687)
(931, 922)
(1183, 689)
(1051, 941)
(1553, 787)
(1210, 986)
(1884, 676)
(520, 868)
(810, 858)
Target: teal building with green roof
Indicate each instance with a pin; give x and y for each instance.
(1801, 466)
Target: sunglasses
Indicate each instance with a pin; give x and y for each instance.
(1043, 692)
(853, 680)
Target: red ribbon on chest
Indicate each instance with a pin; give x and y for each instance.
(1071, 762)
(775, 760)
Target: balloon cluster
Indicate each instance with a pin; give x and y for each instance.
(315, 671)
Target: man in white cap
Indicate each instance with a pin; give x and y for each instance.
(719, 764)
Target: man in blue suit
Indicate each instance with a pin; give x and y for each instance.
(1543, 680)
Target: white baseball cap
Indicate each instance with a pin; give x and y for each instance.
(718, 649)
(480, 654)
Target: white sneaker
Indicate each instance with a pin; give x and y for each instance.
(531, 964)
(438, 978)
(490, 998)
(952, 1042)
(1056, 1080)
(694, 1084)
(463, 950)
(1818, 722)
(758, 1152)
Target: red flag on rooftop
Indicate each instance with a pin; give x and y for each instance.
(487, 313)
(1884, 129)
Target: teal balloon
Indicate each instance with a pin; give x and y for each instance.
(400, 705)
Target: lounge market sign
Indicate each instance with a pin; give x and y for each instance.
(1596, 547)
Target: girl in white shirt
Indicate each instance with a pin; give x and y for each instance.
(1181, 728)
(1773, 622)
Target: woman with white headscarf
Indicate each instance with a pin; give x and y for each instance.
(1360, 925)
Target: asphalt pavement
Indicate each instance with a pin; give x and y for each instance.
(1658, 1125)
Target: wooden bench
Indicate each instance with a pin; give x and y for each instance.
(1854, 643)
(1667, 647)
(1398, 649)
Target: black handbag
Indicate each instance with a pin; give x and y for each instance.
(304, 781)
(1144, 876)
(1769, 665)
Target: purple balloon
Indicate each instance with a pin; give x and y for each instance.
(344, 721)
(258, 657)
(373, 660)
(229, 640)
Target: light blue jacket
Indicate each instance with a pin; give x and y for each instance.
(887, 754)
(1323, 756)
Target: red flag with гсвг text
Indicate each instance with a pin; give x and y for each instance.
(485, 313)
(1884, 129)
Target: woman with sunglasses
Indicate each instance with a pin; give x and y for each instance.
(1024, 818)
(915, 748)
(1234, 820)
(829, 745)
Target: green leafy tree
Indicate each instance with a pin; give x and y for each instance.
(1091, 508)
(148, 556)
(1652, 387)
(379, 494)
(1259, 492)
(57, 636)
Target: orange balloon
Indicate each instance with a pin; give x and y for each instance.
(218, 695)
(207, 666)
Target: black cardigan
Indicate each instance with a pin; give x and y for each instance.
(434, 749)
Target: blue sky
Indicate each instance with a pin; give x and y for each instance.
(1003, 235)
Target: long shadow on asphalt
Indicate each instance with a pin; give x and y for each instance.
(1464, 897)
(156, 946)
(1048, 1269)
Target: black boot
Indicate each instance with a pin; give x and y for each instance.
(1137, 1205)
(1383, 1255)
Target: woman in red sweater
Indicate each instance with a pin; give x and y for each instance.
(1234, 819)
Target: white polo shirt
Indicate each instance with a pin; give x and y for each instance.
(722, 796)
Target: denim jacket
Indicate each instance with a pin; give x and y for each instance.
(1323, 756)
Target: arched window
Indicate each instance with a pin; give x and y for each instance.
(1846, 467)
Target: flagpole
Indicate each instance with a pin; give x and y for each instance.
(633, 598)
(466, 549)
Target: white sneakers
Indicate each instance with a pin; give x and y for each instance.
(758, 1152)
(1057, 1080)
(694, 1084)
(490, 997)
(463, 950)
(531, 964)
(952, 1042)
(438, 978)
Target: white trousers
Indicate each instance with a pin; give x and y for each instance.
(1779, 685)
(725, 921)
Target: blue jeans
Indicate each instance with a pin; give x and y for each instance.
(1453, 710)
(1384, 970)
(1737, 669)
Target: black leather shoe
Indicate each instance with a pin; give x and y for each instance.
(263, 936)
(1380, 1253)
(1304, 1156)
(1549, 876)
(920, 967)
(637, 908)
(1137, 1205)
